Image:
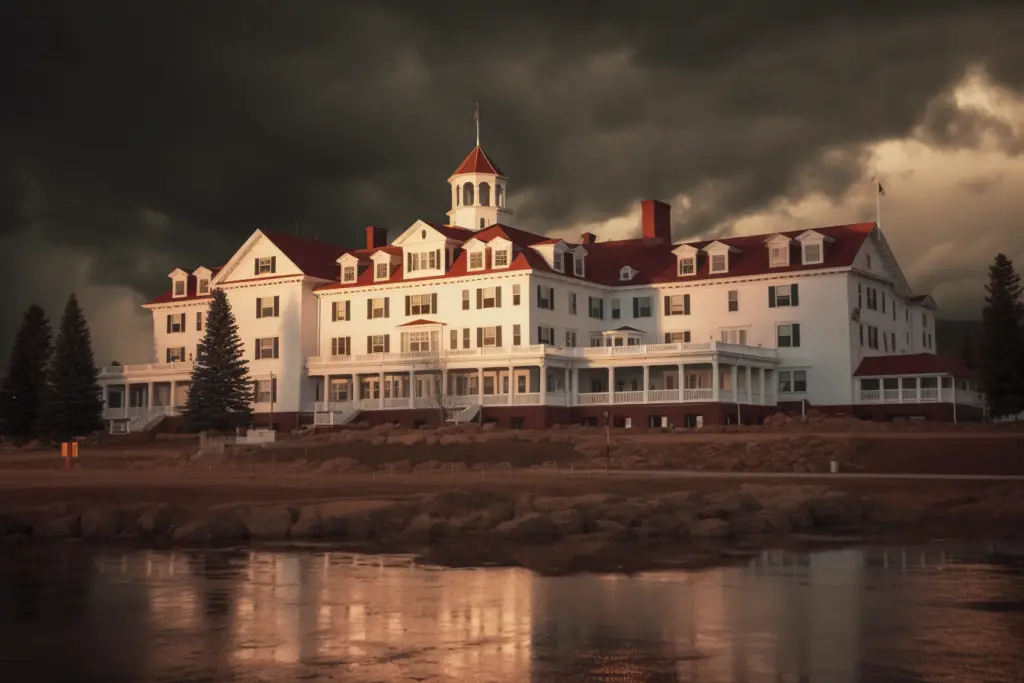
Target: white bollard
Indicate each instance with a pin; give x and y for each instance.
(834, 466)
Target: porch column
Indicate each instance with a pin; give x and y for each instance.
(575, 391)
(325, 395)
(412, 388)
(750, 386)
(149, 395)
(682, 381)
(480, 385)
(380, 389)
(735, 382)
(647, 381)
(173, 403)
(444, 382)
(511, 384)
(764, 389)
(357, 388)
(715, 381)
(611, 384)
(543, 384)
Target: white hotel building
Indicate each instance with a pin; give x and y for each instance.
(528, 331)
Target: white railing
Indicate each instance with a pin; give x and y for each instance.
(725, 396)
(929, 395)
(629, 396)
(890, 395)
(698, 395)
(178, 367)
(495, 400)
(532, 399)
(597, 398)
(400, 402)
(663, 395)
(922, 395)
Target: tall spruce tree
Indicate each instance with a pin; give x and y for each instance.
(75, 401)
(23, 390)
(221, 393)
(1000, 362)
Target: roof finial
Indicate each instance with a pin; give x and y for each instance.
(476, 117)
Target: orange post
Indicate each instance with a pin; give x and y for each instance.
(74, 449)
(65, 452)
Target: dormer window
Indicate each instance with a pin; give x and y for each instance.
(501, 258)
(577, 265)
(719, 263)
(382, 271)
(348, 274)
(812, 247)
(688, 265)
(203, 287)
(179, 288)
(265, 265)
(476, 260)
(812, 253)
(779, 254)
(626, 274)
(558, 262)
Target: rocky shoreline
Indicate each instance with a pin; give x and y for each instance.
(481, 526)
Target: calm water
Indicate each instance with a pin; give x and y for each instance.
(880, 615)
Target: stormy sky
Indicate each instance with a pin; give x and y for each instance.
(136, 137)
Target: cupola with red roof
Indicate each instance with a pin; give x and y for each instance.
(478, 190)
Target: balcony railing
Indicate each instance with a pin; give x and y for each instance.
(175, 368)
(921, 395)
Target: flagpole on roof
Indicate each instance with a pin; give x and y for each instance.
(879, 193)
(476, 117)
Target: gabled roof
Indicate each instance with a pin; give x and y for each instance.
(420, 321)
(190, 291)
(478, 162)
(911, 364)
(923, 300)
(312, 257)
(520, 238)
(452, 231)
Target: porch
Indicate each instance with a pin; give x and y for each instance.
(135, 406)
(919, 389)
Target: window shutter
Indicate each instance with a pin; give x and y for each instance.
(277, 306)
(433, 303)
(479, 298)
(369, 309)
(479, 337)
(334, 311)
(408, 304)
(273, 264)
(273, 390)
(348, 310)
(182, 323)
(369, 344)
(169, 316)
(497, 297)
(276, 349)
(686, 304)
(257, 352)
(636, 307)
(256, 266)
(387, 343)
(686, 337)
(387, 307)
(796, 295)
(771, 297)
(199, 322)
(440, 263)
(668, 305)
(256, 391)
(168, 356)
(668, 337)
(796, 334)
(259, 308)
(497, 336)
(551, 298)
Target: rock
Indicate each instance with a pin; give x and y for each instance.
(835, 509)
(308, 525)
(426, 528)
(342, 464)
(605, 527)
(678, 500)
(532, 526)
(549, 504)
(568, 521)
(269, 522)
(157, 520)
(68, 526)
(214, 528)
(797, 512)
(630, 512)
(460, 502)
(102, 523)
(775, 522)
(730, 502)
(749, 525)
(407, 439)
(711, 529)
(13, 525)
(665, 525)
(351, 526)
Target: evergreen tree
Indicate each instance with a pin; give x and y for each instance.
(221, 393)
(75, 402)
(23, 390)
(1000, 363)
(969, 351)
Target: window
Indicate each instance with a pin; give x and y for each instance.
(570, 338)
(421, 304)
(489, 336)
(677, 337)
(265, 391)
(781, 296)
(339, 390)
(546, 335)
(267, 347)
(453, 342)
(736, 335)
(779, 255)
(678, 304)
(176, 354)
(426, 260)
(488, 297)
(419, 342)
(860, 296)
(515, 295)
(862, 335)
(626, 273)
(341, 346)
(377, 343)
(788, 335)
(179, 288)
(377, 308)
(476, 260)
(465, 299)
(812, 253)
(595, 307)
(687, 265)
(199, 321)
(872, 299)
(872, 337)
(465, 338)
(924, 319)
(545, 297)
(176, 322)
(893, 310)
(885, 342)
(267, 306)
(893, 341)
(382, 271)
(883, 302)
(572, 303)
(616, 309)
(348, 274)
(501, 258)
(577, 265)
(643, 307)
(734, 300)
(792, 381)
(340, 310)
(867, 259)
(718, 263)
(204, 286)
(517, 335)
(265, 265)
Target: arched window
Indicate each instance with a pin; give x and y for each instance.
(467, 194)
(485, 194)
(455, 189)
(499, 196)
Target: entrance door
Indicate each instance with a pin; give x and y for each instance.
(369, 387)
(424, 386)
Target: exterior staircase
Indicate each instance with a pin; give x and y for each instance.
(467, 414)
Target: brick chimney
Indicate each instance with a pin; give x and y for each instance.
(657, 220)
(588, 238)
(376, 237)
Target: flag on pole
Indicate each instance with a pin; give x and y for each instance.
(881, 190)
(476, 119)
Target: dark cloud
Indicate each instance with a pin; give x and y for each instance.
(141, 136)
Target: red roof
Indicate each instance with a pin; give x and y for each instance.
(478, 162)
(453, 231)
(312, 257)
(913, 364)
(420, 321)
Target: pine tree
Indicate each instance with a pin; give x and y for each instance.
(23, 390)
(75, 402)
(220, 395)
(969, 351)
(1000, 363)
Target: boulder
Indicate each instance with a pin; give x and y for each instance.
(605, 527)
(835, 509)
(532, 526)
(798, 512)
(350, 526)
(665, 525)
(775, 522)
(308, 525)
(630, 512)
(426, 528)
(269, 522)
(749, 525)
(67, 526)
(460, 502)
(13, 525)
(212, 528)
(711, 529)
(342, 464)
(157, 520)
(102, 523)
(568, 521)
